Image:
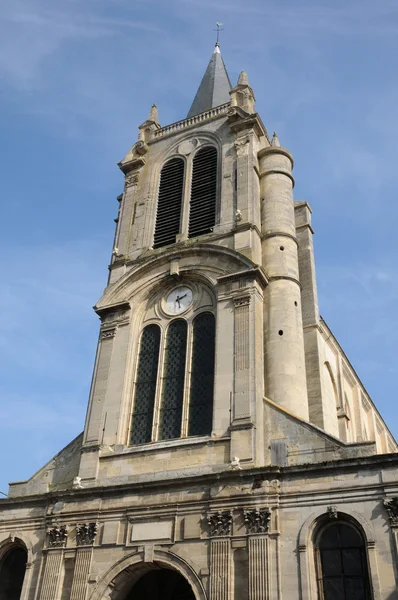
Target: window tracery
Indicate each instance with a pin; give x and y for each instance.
(174, 381)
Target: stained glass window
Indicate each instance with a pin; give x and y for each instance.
(202, 213)
(145, 387)
(202, 376)
(173, 381)
(343, 564)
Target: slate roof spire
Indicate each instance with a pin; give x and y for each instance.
(215, 86)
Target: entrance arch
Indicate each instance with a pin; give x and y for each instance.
(12, 572)
(129, 579)
(161, 584)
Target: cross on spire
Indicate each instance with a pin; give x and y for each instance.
(219, 28)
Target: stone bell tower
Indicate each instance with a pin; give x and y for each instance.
(229, 446)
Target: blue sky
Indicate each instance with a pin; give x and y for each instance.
(76, 79)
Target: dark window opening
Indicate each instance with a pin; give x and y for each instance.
(145, 387)
(168, 216)
(202, 375)
(342, 564)
(173, 381)
(161, 583)
(202, 213)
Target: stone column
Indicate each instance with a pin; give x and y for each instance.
(81, 573)
(285, 376)
(258, 568)
(220, 555)
(52, 570)
(220, 569)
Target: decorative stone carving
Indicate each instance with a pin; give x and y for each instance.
(85, 534)
(57, 536)
(242, 301)
(332, 512)
(242, 146)
(220, 523)
(257, 520)
(132, 179)
(109, 333)
(391, 505)
(187, 147)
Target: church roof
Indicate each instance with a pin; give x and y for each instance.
(215, 86)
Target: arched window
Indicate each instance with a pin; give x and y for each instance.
(12, 573)
(202, 213)
(202, 375)
(342, 563)
(173, 381)
(145, 386)
(168, 216)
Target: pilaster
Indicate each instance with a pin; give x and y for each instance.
(81, 573)
(51, 575)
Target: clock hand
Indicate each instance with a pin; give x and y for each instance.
(181, 297)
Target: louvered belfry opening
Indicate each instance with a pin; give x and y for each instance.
(145, 387)
(202, 213)
(168, 215)
(202, 375)
(173, 381)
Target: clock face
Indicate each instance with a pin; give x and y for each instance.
(178, 300)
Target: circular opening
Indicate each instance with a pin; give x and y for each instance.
(281, 248)
(295, 303)
(280, 332)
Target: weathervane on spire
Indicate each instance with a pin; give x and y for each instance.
(219, 28)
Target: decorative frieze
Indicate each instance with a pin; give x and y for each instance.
(132, 179)
(242, 301)
(257, 520)
(391, 505)
(57, 536)
(220, 523)
(85, 534)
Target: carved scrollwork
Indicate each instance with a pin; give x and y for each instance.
(132, 179)
(242, 301)
(391, 505)
(85, 534)
(257, 520)
(220, 523)
(108, 333)
(57, 536)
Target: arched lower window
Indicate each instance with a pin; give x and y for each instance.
(202, 212)
(12, 573)
(342, 563)
(172, 398)
(145, 386)
(170, 197)
(202, 375)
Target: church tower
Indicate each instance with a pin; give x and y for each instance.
(230, 450)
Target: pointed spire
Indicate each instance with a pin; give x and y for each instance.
(153, 114)
(243, 78)
(215, 86)
(275, 143)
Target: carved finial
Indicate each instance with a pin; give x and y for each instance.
(153, 114)
(243, 78)
(219, 28)
(275, 143)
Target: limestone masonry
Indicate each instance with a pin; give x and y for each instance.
(230, 451)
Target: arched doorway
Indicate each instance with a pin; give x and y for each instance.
(161, 584)
(12, 573)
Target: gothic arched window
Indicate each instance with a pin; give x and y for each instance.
(342, 563)
(202, 375)
(145, 386)
(202, 213)
(173, 381)
(12, 573)
(170, 198)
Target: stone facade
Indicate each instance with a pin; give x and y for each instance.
(296, 443)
